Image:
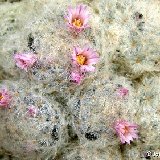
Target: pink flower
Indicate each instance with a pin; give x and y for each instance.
(5, 98)
(29, 146)
(76, 77)
(126, 131)
(77, 18)
(85, 58)
(122, 92)
(25, 61)
(32, 111)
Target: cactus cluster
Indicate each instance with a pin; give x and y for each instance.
(49, 116)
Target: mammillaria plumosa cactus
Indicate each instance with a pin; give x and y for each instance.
(49, 115)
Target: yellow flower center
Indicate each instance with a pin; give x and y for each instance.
(80, 59)
(77, 22)
(1, 96)
(126, 129)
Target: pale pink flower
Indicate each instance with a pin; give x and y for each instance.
(5, 98)
(77, 18)
(24, 60)
(76, 77)
(32, 111)
(126, 131)
(122, 92)
(29, 146)
(85, 58)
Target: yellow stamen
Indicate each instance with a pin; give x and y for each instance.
(77, 22)
(126, 129)
(1, 96)
(80, 59)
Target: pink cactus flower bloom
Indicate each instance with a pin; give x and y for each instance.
(85, 58)
(122, 92)
(77, 18)
(126, 131)
(5, 98)
(25, 61)
(76, 77)
(32, 111)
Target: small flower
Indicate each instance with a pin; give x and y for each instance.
(32, 111)
(126, 131)
(76, 77)
(77, 18)
(5, 98)
(25, 61)
(29, 146)
(122, 92)
(85, 58)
